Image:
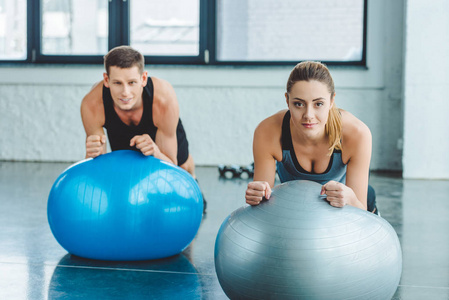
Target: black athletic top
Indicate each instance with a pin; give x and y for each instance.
(120, 134)
(290, 169)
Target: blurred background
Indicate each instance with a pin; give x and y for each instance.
(229, 61)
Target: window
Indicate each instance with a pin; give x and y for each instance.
(170, 29)
(290, 30)
(78, 27)
(219, 32)
(13, 30)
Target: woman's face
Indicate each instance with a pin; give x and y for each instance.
(309, 103)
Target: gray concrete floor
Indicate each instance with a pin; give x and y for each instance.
(34, 266)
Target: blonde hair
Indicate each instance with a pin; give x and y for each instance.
(312, 70)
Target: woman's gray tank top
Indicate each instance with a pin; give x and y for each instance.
(289, 168)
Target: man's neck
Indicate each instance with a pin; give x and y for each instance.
(132, 116)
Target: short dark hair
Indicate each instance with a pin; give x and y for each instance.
(124, 57)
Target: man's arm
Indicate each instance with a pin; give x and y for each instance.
(92, 115)
(166, 118)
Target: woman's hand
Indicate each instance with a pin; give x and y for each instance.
(338, 194)
(256, 191)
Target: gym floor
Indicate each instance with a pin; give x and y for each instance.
(34, 266)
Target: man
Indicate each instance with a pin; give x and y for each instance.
(140, 113)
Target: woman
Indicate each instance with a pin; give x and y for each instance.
(313, 140)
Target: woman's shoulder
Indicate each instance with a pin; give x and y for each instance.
(267, 137)
(272, 124)
(354, 130)
(269, 131)
(351, 124)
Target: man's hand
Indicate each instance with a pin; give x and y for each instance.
(146, 145)
(95, 145)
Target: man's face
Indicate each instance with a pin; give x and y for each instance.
(126, 86)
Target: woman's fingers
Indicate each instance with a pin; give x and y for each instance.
(256, 191)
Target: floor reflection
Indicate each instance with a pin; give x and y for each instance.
(170, 278)
(34, 266)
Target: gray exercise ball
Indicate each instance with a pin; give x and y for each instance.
(297, 246)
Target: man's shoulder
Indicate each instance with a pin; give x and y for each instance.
(165, 102)
(93, 101)
(159, 82)
(163, 90)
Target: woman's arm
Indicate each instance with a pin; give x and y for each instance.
(266, 144)
(357, 143)
(357, 173)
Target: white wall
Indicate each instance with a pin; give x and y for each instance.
(220, 106)
(426, 89)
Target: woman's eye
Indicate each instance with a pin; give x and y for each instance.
(320, 104)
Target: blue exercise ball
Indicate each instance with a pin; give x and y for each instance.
(124, 206)
(297, 246)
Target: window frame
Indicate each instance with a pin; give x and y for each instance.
(118, 34)
(213, 47)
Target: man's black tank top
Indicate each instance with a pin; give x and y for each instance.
(120, 134)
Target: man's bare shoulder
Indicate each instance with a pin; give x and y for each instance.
(92, 105)
(165, 105)
(164, 93)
